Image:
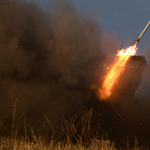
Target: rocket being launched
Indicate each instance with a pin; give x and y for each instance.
(124, 76)
(142, 33)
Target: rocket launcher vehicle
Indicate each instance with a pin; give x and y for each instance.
(130, 76)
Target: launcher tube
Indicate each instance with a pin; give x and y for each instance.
(140, 36)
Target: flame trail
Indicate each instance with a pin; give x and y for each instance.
(115, 70)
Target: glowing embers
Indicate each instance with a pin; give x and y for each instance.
(115, 71)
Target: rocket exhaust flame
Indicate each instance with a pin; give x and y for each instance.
(115, 71)
(118, 67)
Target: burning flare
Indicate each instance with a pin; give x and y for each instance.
(115, 70)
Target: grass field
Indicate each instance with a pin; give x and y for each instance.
(84, 133)
(41, 144)
(14, 144)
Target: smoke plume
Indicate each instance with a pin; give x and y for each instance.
(50, 63)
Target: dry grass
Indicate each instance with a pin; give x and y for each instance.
(41, 144)
(78, 133)
(14, 144)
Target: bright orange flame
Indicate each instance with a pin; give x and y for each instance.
(117, 67)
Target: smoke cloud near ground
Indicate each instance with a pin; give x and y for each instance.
(50, 64)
